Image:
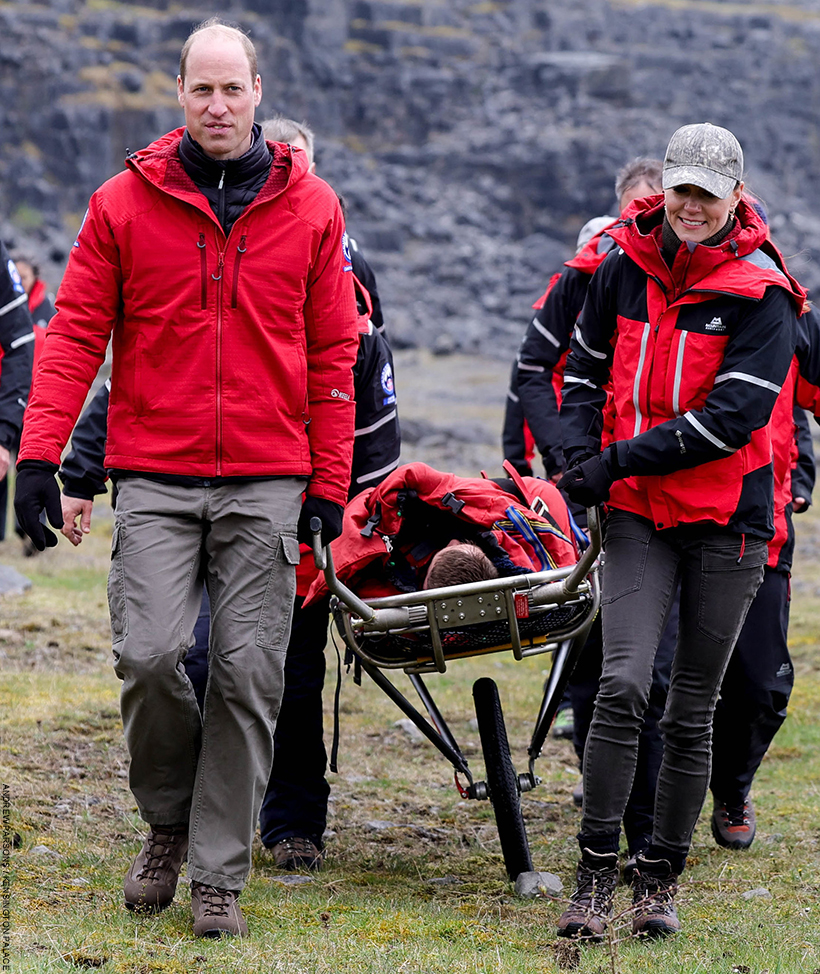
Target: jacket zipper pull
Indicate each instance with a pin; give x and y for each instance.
(742, 548)
(218, 277)
(221, 180)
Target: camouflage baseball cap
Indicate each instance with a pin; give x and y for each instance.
(703, 155)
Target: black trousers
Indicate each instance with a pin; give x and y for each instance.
(755, 691)
(295, 802)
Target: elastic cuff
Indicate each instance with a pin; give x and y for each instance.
(603, 843)
(81, 490)
(38, 465)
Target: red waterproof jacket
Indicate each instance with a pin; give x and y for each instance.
(392, 524)
(231, 356)
(696, 356)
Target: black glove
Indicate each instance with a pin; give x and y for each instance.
(37, 491)
(328, 512)
(588, 483)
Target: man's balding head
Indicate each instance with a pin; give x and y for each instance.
(219, 89)
(215, 27)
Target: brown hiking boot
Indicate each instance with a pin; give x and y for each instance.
(653, 898)
(296, 852)
(216, 912)
(590, 906)
(151, 881)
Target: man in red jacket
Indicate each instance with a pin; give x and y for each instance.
(215, 262)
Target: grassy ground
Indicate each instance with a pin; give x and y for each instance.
(414, 881)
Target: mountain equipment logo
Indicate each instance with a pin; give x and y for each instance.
(716, 325)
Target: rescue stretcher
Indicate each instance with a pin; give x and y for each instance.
(421, 632)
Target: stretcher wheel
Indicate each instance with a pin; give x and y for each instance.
(501, 778)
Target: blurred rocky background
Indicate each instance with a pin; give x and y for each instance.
(470, 139)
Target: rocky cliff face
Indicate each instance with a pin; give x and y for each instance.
(471, 139)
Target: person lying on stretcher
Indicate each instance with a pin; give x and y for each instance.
(421, 529)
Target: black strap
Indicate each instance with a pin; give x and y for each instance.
(334, 748)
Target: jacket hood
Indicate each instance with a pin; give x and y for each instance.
(746, 262)
(589, 257)
(159, 163)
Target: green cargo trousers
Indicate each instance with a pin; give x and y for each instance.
(210, 770)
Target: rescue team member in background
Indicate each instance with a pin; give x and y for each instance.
(41, 309)
(16, 351)
(40, 302)
(294, 810)
(691, 326)
(216, 261)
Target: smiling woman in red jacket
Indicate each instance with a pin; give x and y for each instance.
(690, 324)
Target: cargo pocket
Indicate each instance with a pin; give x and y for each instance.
(277, 605)
(727, 586)
(117, 606)
(626, 543)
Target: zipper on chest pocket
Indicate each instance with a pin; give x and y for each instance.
(203, 272)
(240, 250)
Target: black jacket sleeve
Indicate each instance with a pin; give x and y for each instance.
(804, 471)
(755, 364)
(17, 342)
(83, 470)
(377, 442)
(545, 341)
(364, 272)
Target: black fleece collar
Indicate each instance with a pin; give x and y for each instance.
(208, 172)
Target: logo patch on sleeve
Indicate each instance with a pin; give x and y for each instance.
(387, 385)
(346, 249)
(16, 283)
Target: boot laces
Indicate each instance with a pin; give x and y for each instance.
(159, 849)
(655, 894)
(216, 900)
(594, 890)
(736, 816)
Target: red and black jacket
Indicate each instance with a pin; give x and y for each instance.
(696, 356)
(16, 347)
(538, 376)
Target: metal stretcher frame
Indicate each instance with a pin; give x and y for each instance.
(437, 611)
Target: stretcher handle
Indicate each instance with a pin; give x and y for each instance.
(323, 559)
(587, 559)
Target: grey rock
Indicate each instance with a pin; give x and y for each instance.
(12, 582)
(534, 885)
(291, 880)
(760, 893)
(376, 825)
(444, 881)
(43, 850)
(772, 839)
(410, 730)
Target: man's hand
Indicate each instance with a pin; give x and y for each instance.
(799, 505)
(37, 491)
(5, 460)
(328, 512)
(73, 508)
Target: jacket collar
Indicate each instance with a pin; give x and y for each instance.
(745, 262)
(206, 171)
(160, 165)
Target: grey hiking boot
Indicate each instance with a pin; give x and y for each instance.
(151, 881)
(734, 826)
(297, 852)
(653, 898)
(590, 906)
(216, 912)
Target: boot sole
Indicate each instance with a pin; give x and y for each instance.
(655, 929)
(577, 931)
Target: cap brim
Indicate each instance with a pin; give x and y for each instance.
(713, 182)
